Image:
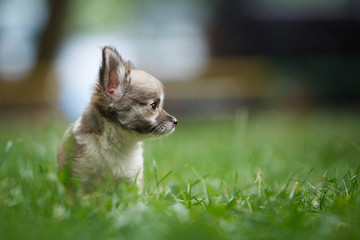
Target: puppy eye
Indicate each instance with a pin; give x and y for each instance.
(153, 106)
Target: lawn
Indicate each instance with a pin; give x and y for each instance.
(264, 175)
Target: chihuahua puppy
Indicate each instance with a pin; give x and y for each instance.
(106, 141)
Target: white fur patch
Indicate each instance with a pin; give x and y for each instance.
(115, 152)
(77, 125)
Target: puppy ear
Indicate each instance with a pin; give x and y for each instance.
(114, 73)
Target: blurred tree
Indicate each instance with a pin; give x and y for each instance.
(34, 87)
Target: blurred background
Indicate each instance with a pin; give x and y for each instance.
(214, 56)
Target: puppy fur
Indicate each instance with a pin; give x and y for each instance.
(106, 141)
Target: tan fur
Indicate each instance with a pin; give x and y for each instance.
(125, 109)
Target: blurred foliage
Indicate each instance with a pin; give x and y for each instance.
(99, 15)
(92, 15)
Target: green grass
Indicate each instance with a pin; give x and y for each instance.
(259, 176)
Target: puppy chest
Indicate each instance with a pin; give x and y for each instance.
(127, 169)
(121, 165)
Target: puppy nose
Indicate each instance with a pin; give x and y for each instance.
(174, 121)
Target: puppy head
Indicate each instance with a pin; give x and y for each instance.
(130, 97)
